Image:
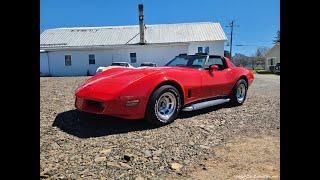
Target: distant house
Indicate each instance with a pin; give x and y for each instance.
(272, 57)
(80, 51)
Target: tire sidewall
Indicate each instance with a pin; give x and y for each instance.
(234, 93)
(151, 115)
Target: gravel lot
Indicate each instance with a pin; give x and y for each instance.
(111, 148)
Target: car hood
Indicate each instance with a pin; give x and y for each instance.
(110, 83)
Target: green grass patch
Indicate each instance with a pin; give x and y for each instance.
(262, 72)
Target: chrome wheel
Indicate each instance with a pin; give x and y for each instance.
(241, 93)
(165, 106)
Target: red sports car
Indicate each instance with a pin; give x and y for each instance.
(158, 94)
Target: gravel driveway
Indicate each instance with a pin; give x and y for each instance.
(111, 148)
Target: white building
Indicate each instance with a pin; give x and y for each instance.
(79, 51)
(272, 56)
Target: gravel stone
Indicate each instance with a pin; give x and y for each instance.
(147, 153)
(100, 159)
(175, 166)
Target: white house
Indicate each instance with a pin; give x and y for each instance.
(272, 56)
(79, 51)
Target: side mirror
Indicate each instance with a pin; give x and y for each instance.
(213, 67)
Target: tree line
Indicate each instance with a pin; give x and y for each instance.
(257, 60)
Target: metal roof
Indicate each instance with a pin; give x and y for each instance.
(121, 35)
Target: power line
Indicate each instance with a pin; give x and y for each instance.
(253, 44)
(242, 45)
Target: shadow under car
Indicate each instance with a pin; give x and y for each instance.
(102, 125)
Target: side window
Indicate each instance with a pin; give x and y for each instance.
(92, 59)
(200, 50)
(133, 57)
(206, 49)
(216, 61)
(198, 63)
(67, 60)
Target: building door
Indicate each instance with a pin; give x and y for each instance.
(92, 64)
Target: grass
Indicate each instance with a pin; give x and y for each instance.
(261, 71)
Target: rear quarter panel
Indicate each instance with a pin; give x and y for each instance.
(240, 71)
(243, 72)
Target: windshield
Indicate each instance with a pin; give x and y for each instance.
(188, 61)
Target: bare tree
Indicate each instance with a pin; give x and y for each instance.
(259, 57)
(240, 60)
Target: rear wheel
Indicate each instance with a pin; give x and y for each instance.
(163, 106)
(239, 93)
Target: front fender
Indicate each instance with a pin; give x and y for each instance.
(143, 88)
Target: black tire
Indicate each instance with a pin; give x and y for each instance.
(151, 115)
(233, 97)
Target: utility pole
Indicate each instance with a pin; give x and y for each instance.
(231, 25)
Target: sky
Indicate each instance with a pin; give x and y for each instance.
(256, 21)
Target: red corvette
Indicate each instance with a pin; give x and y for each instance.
(158, 94)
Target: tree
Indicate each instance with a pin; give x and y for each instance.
(260, 56)
(277, 38)
(241, 60)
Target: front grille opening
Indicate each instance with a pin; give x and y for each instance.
(96, 104)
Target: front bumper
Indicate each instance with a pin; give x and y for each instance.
(116, 107)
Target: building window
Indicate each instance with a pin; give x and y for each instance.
(67, 60)
(206, 49)
(200, 49)
(133, 57)
(92, 59)
(271, 61)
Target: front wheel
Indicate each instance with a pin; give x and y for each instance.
(163, 106)
(239, 93)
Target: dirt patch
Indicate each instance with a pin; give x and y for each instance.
(243, 158)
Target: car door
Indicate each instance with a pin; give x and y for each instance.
(216, 83)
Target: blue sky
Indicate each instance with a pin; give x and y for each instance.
(257, 20)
